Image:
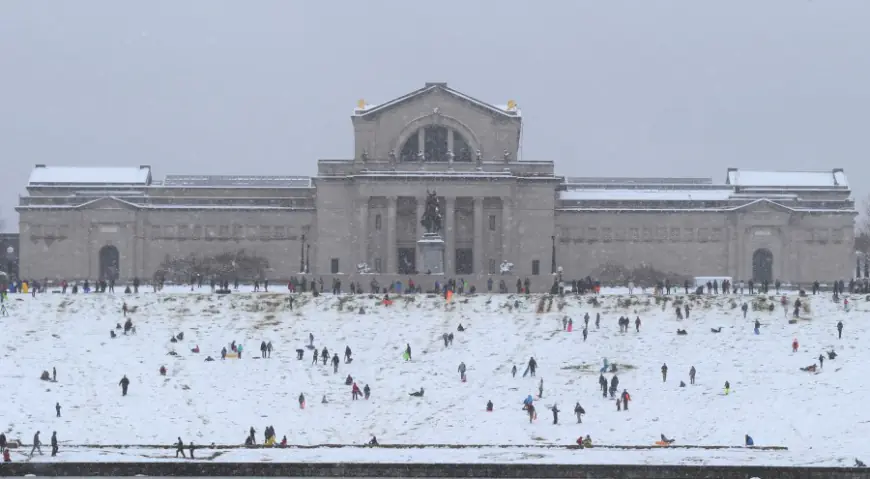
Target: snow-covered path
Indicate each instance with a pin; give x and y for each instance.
(819, 417)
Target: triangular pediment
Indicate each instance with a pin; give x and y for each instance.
(434, 90)
(763, 205)
(107, 203)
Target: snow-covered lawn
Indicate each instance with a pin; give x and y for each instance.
(819, 417)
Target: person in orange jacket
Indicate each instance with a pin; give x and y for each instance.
(794, 345)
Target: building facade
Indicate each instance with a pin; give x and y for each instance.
(363, 214)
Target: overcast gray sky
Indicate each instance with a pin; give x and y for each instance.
(266, 86)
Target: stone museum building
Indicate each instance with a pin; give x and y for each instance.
(363, 213)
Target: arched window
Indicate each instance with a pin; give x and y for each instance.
(437, 143)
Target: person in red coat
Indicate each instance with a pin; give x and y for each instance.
(355, 392)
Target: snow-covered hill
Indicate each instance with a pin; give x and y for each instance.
(819, 417)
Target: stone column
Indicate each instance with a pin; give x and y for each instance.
(479, 255)
(449, 235)
(363, 233)
(450, 140)
(421, 208)
(421, 140)
(507, 232)
(392, 255)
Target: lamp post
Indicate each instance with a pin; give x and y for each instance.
(11, 270)
(302, 255)
(553, 262)
(308, 260)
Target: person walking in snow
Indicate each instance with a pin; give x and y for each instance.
(570, 325)
(727, 387)
(531, 410)
(532, 366)
(314, 357)
(461, 371)
(541, 388)
(564, 323)
(347, 354)
(355, 392)
(179, 448)
(614, 385)
(324, 355)
(36, 444)
(692, 375)
(585, 333)
(57, 409)
(839, 330)
(586, 320)
(555, 410)
(597, 320)
(821, 361)
(269, 349)
(514, 371)
(407, 352)
(794, 345)
(125, 383)
(625, 399)
(191, 448)
(262, 351)
(664, 372)
(311, 339)
(53, 374)
(602, 382)
(637, 324)
(367, 391)
(335, 362)
(54, 447)
(579, 412)
(301, 401)
(745, 308)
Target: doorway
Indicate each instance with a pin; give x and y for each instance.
(110, 260)
(464, 261)
(407, 260)
(762, 265)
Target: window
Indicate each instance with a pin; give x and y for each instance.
(197, 232)
(606, 235)
(169, 232)
(492, 222)
(155, 231)
(493, 267)
(378, 222)
(333, 266)
(378, 265)
(63, 231)
(279, 232)
(536, 267)
(238, 231)
(184, 231)
(635, 234)
(210, 232)
(675, 234)
(265, 232)
(224, 231)
(703, 235)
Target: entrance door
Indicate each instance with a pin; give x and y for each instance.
(762, 265)
(464, 261)
(109, 263)
(407, 260)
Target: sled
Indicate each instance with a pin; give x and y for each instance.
(662, 443)
(232, 356)
(406, 356)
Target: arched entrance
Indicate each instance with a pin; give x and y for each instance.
(762, 265)
(109, 263)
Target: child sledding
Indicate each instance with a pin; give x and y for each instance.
(809, 369)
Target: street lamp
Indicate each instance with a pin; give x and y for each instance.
(308, 259)
(553, 263)
(302, 255)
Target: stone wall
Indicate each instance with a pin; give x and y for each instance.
(177, 468)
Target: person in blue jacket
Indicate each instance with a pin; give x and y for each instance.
(749, 441)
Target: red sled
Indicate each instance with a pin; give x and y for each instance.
(302, 405)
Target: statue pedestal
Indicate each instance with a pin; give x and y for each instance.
(432, 253)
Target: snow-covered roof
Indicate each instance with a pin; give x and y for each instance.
(86, 175)
(237, 181)
(639, 180)
(432, 87)
(606, 194)
(799, 179)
